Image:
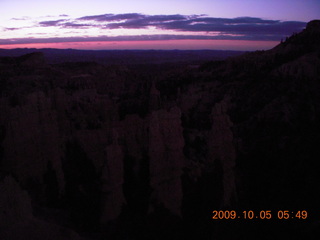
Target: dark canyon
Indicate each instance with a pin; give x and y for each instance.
(148, 150)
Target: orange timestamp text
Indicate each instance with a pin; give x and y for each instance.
(263, 214)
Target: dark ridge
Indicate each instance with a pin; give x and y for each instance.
(127, 57)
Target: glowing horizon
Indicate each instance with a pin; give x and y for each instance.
(239, 45)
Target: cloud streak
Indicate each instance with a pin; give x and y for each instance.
(182, 26)
(51, 23)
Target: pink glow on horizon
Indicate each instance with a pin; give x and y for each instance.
(242, 45)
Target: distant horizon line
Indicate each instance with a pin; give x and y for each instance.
(181, 44)
(147, 49)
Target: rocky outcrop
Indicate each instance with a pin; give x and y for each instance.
(17, 221)
(313, 26)
(32, 132)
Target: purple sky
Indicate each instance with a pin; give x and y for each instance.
(147, 24)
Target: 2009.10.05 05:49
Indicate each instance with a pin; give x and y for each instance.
(263, 214)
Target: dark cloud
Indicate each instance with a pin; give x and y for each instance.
(62, 23)
(254, 28)
(11, 29)
(144, 21)
(95, 17)
(235, 26)
(51, 23)
(113, 17)
(16, 29)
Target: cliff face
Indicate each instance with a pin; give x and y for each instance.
(105, 148)
(112, 178)
(222, 149)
